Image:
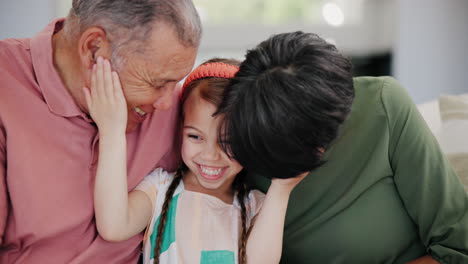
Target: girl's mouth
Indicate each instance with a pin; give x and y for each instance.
(211, 173)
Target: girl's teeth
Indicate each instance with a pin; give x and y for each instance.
(211, 171)
(139, 111)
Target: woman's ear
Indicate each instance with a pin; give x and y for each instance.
(93, 43)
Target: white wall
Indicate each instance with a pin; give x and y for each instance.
(25, 18)
(431, 47)
(370, 32)
(430, 38)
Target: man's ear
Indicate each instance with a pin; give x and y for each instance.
(93, 43)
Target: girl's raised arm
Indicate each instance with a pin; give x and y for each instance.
(119, 215)
(267, 231)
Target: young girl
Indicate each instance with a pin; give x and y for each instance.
(203, 213)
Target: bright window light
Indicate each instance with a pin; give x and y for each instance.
(333, 14)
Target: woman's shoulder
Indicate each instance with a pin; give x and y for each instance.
(377, 97)
(386, 88)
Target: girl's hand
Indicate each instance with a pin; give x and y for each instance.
(289, 184)
(106, 102)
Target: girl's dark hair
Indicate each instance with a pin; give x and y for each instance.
(164, 211)
(285, 105)
(210, 89)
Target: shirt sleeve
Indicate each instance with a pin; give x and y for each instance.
(254, 202)
(153, 182)
(428, 186)
(3, 187)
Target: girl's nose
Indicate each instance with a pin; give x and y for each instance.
(211, 151)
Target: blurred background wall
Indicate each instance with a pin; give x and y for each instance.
(423, 43)
(431, 47)
(24, 18)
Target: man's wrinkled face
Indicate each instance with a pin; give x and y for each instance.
(149, 78)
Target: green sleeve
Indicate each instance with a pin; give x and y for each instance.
(428, 186)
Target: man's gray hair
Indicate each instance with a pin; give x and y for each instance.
(130, 22)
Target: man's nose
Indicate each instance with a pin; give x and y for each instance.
(165, 101)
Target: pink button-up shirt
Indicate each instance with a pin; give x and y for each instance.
(48, 158)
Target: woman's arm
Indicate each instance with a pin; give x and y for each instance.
(267, 231)
(429, 188)
(119, 215)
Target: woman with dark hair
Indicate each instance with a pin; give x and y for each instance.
(380, 190)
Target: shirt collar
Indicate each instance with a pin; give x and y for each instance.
(57, 97)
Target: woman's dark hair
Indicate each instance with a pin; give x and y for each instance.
(210, 89)
(286, 104)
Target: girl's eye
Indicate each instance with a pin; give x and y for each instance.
(194, 137)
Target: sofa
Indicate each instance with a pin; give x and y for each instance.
(447, 117)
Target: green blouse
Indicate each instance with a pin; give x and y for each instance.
(387, 193)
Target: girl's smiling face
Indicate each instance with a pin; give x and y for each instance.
(210, 168)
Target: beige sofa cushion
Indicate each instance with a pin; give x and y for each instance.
(430, 112)
(454, 132)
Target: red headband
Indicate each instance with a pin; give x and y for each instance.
(212, 69)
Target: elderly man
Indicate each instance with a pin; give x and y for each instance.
(49, 144)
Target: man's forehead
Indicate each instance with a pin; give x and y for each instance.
(157, 59)
(161, 76)
(163, 58)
